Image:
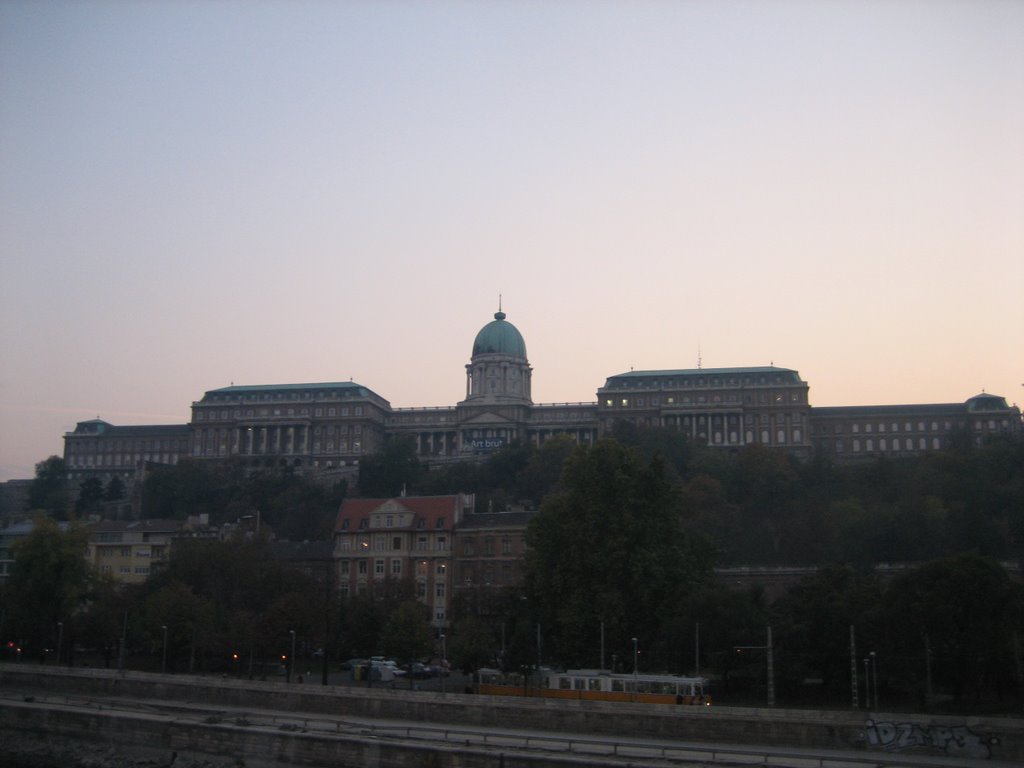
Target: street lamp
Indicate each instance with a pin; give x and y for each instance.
(636, 658)
(163, 665)
(444, 660)
(60, 639)
(291, 660)
(867, 683)
(874, 677)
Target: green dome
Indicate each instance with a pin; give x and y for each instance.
(499, 337)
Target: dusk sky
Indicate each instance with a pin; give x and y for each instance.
(199, 193)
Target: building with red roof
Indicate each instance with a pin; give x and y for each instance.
(406, 538)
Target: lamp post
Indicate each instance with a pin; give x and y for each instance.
(124, 639)
(444, 662)
(163, 663)
(60, 639)
(867, 683)
(291, 659)
(636, 658)
(874, 677)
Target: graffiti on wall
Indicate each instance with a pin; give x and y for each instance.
(954, 741)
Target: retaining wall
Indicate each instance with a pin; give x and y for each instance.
(1000, 739)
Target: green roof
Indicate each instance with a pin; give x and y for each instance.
(285, 387)
(704, 372)
(499, 337)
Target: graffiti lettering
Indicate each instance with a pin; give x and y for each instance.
(956, 741)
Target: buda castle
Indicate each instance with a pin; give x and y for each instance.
(329, 427)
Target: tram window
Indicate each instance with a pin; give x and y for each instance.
(594, 684)
(565, 683)
(617, 686)
(579, 683)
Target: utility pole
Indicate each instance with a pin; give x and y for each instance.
(769, 663)
(854, 685)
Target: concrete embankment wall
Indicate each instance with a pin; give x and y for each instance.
(118, 739)
(1000, 739)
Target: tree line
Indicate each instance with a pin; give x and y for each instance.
(624, 546)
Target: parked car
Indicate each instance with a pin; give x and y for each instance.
(418, 671)
(388, 668)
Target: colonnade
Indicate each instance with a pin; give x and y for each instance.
(271, 439)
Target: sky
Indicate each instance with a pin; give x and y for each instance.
(195, 194)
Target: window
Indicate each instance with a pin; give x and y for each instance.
(469, 547)
(362, 567)
(378, 567)
(488, 546)
(396, 567)
(396, 542)
(439, 589)
(421, 543)
(343, 567)
(506, 545)
(442, 543)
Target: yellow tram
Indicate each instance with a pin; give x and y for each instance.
(596, 685)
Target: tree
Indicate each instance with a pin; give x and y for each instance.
(407, 634)
(609, 549)
(472, 645)
(813, 623)
(543, 469)
(964, 610)
(187, 617)
(396, 466)
(90, 494)
(115, 489)
(49, 490)
(49, 582)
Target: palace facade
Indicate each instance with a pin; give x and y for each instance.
(328, 427)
